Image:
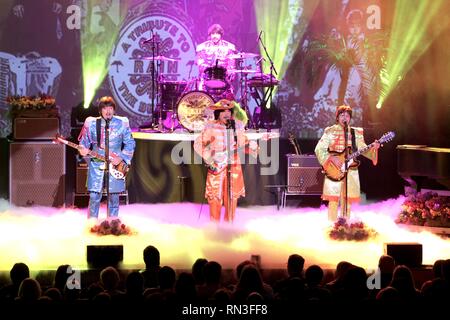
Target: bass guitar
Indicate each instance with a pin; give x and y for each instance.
(336, 173)
(116, 171)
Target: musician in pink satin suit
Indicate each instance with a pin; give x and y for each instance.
(218, 145)
(333, 140)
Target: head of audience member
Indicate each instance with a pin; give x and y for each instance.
(386, 264)
(255, 298)
(109, 278)
(313, 275)
(61, 277)
(250, 280)
(18, 273)
(93, 290)
(403, 281)
(240, 267)
(445, 270)
(212, 272)
(166, 278)
(134, 284)
(437, 268)
(151, 257)
(197, 270)
(222, 296)
(341, 269)
(54, 294)
(388, 294)
(295, 265)
(29, 290)
(185, 287)
(355, 283)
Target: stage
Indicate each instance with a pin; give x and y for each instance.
(44, 237)
(166, 169)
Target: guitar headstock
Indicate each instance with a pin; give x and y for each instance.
(58, 139)
(388, 136)
(291, 137)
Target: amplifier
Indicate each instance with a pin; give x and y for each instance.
(35, 128)
(37, 171)
(81, 177)
(304, 175)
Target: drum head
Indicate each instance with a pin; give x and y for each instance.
(215, 77)
(193, 111)
(171, 92)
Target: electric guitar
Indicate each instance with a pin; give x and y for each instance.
(218, 166)
(118, 172)
(336, 173)
(294, 143)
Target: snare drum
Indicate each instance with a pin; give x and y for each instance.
(171, 92)
(194, 111)
(215, 77)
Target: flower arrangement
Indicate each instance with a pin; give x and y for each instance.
(425, 209)
(114, 227)
(357, 231)
(39, 102)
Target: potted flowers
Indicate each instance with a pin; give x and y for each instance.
(425, 209)
(354, 231)
(113, 227)
(40, 106)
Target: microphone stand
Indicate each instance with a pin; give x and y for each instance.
(230, 153)
(272, 71)
(345, 168)
(153, 79)
(155, 52)
(107, 161)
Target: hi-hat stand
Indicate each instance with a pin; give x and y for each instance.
(262, 88)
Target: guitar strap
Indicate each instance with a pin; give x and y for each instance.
(99, 129)
(353, 140)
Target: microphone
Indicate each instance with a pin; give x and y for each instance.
(231, 124)
(107, 117)
(259, 36)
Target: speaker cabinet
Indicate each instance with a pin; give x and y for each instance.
(81, 178)
(81, 195)
(35, 128)
(37, 174)
(409, 254)
(304, 175)
(104, 256)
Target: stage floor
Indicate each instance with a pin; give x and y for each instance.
(45, 238)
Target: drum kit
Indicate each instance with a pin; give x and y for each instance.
(184, 104)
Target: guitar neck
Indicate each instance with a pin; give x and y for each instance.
(91, 153)
(360, 151)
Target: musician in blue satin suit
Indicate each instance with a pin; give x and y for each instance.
(121, 149)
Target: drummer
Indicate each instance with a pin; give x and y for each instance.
(214, 52)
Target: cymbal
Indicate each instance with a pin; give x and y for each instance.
(159, 58)
(243, 71)
(242, 55)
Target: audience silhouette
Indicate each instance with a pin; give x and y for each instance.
(206, 284)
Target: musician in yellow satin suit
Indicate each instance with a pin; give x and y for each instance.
(218, 145)
(333, 140)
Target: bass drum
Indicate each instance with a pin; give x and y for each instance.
(193, 110)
